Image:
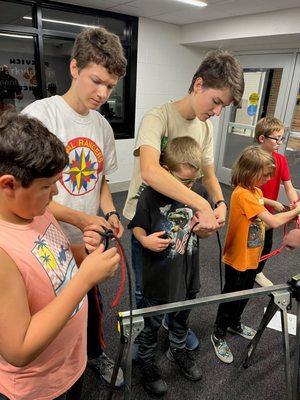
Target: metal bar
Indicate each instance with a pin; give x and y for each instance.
(283, 301)
(297, 358)
(268, 315)
(190, 304)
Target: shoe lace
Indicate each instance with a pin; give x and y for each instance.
(223, 347)
(105, 363)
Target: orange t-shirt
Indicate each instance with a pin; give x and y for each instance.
(43, 256)
(246, 232)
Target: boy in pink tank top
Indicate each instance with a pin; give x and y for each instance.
(43, 305)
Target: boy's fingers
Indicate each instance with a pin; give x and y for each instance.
(159, 233)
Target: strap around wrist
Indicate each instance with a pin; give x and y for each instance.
(219, 202)
(107, 215)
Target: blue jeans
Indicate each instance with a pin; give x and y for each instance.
(178, 330)
(136, 259)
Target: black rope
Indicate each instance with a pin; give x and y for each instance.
(108, 235)
(220, 261)
(186, 258)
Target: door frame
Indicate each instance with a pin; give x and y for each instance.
(285, 60)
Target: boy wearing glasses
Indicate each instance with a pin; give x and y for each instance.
(170, 253)
(269, 133)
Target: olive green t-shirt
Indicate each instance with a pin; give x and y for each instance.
(159, 125)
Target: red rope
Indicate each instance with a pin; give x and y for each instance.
(100, 316)
(282, 247)
(123, 276)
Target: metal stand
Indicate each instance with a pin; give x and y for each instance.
(295, 285)
(127, 345)
(280, 300)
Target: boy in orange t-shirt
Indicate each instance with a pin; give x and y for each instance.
(244, 241)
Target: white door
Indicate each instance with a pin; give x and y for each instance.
(268, 79)
(292, 120)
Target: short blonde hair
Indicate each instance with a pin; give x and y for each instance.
(250, 166)
(266, 126)
(182, 151)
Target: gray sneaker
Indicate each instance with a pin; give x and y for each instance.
(222, 350)
(244, 331)
(105, 366)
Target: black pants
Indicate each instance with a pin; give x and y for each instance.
(229, 314)
(74, 393)
(267, 248)
(178, 329)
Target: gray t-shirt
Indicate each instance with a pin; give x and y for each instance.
(89, 142)
(166, 122)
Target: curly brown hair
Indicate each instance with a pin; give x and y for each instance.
(99, 46)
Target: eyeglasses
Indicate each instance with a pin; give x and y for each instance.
(186, 181)
(277, 139)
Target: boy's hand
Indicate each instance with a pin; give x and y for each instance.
(154, 242)
(116, 225)
(292, 239)
(99, 265)
(87, 219)
(207, 223)
(297, 208)
(92, 238)
(220, 214)
(278, 206)
(200, 232)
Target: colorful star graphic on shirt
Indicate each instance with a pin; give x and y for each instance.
(81, 170)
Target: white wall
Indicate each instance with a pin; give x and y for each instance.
(164, 72)
(275, 30)
(168, 56)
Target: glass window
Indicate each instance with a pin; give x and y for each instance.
(75, 22)
(57, 59)
(113, 109)
(15, 14)
(259, 100)
(18, 81)
(292, 150)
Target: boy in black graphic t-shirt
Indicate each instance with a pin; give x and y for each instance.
(170, 261)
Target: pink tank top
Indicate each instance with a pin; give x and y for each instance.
(42, 254)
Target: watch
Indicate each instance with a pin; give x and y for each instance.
(107, 215)
(217, 203)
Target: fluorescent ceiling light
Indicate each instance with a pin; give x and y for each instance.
(54, 21)
(16, 36)
(194, 3)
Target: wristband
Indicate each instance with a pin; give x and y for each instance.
(107, 215)
(219, 202)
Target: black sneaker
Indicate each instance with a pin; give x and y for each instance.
(187, 365)
(153, 381)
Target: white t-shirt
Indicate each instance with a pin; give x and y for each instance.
(166, 122)
(89, 142)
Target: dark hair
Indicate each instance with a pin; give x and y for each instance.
(101, 47)
(219, 70)
(28, 150)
